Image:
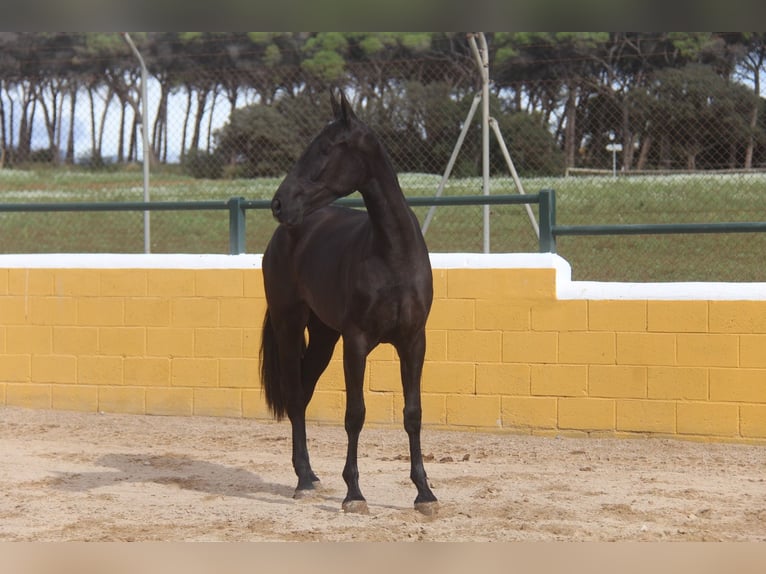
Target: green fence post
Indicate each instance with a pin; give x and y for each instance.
(236, 225)
(547, 220)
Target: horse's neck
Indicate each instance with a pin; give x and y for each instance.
(389, 213)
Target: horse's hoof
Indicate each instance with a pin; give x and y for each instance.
(301, 493)
(427, 508)
(356, 507)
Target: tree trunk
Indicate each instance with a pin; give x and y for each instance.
(570, 113)
(70, 137)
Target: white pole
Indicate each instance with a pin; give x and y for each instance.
(482, 59)
(145, 138)
(451, 162)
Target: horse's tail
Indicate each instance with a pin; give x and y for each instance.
(270, 376)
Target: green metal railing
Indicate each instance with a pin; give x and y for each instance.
(549, 230)
(546, 199)
(238, 206)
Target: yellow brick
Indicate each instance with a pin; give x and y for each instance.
(123, 341)
(436, 346)
(239, 373)
(170, 341)
(530, 347)
(130, 400)
(32, 396)
(440, 283)
(617, 381)
(617, 316)
(53, 310)
(15, 368)
(646, 349)
(646, 416)
(448, 377)
(452, 314)
(29, 339)
(559, 380)
(503, 315)
(75, 340)
(254, 405)
(502, 379)
(54, 369)
(194, 372)
(253, 283)
(194, 312)
(529, 412)
(74, 398)
(738, 385)
(242, 312)
(100, 312)
(677, 316)
(122, 282)
(753, 421)
(165, 401)
(145, 311)
(4, 281)
(501, 283)
(99, 370)
(140, 371)
(31, 282)
(333, 378)
(475, 346)
(76, 282)
(218, 283)
(327, 406)
(384, 376)
(170, 282)
(707, 350)
(586, 414)
(379, 407)
(587, 348)
(2, 389)
(434, 408)
(251, 342)
(218, 402)
(474, 411)
(560, 316)
(751, 351)
(708, 419)
(678, 383)
(14, 310)
(2, 339)
(383, 352)
(738, 316)
(221, 342)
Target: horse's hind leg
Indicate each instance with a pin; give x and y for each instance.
(411, 357)
(322, 340)
(289, 326)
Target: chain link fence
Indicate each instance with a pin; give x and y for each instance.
(686, 145)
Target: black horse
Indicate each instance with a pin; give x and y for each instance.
(338, 272)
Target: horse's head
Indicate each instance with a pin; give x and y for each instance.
(334, 165)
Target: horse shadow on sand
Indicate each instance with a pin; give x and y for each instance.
(177, 470)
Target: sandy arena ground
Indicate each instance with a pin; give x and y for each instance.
(84, 477)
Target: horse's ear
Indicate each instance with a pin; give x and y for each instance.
(346, 113)
(335, 105)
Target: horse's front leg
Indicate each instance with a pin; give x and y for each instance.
(354, 359)
(411, 358)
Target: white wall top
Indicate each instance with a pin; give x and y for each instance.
(565, 287)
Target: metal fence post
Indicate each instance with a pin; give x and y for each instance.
(547, 220)
(236, 225)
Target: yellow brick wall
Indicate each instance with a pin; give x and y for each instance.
(504, 353)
